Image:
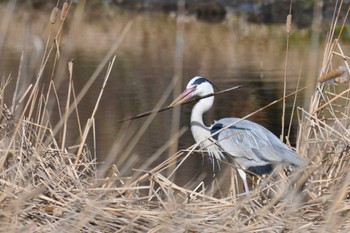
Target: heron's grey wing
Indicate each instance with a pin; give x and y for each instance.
(241, 141)
(252, 142)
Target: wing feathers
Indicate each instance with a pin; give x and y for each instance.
(253, 143)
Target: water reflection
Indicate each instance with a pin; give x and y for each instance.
(231, 53)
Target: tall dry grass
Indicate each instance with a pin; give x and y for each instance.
(47, 185)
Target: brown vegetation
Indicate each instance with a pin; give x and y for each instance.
(48, 186)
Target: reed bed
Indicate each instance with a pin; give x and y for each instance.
(49, 186)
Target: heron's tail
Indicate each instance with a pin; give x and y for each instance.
(294, 159)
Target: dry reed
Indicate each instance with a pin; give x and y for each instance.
(64, 11)
(48, 186)
(53, 16)
(339, 75)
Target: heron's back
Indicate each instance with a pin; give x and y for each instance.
(251, 144)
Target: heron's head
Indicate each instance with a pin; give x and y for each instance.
(197, 86)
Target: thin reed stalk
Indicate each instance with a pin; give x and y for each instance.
(178, 71)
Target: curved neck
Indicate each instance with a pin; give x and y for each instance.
(199, 130)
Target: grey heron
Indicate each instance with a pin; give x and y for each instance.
(252, 146)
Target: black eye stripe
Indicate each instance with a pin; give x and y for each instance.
(199, 81)
(202, 80)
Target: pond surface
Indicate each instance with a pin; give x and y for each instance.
(230, 53)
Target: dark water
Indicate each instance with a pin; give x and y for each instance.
(229, 54)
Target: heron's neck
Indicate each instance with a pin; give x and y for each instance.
(199, 130)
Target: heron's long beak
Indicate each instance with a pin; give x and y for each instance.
(185, 95)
